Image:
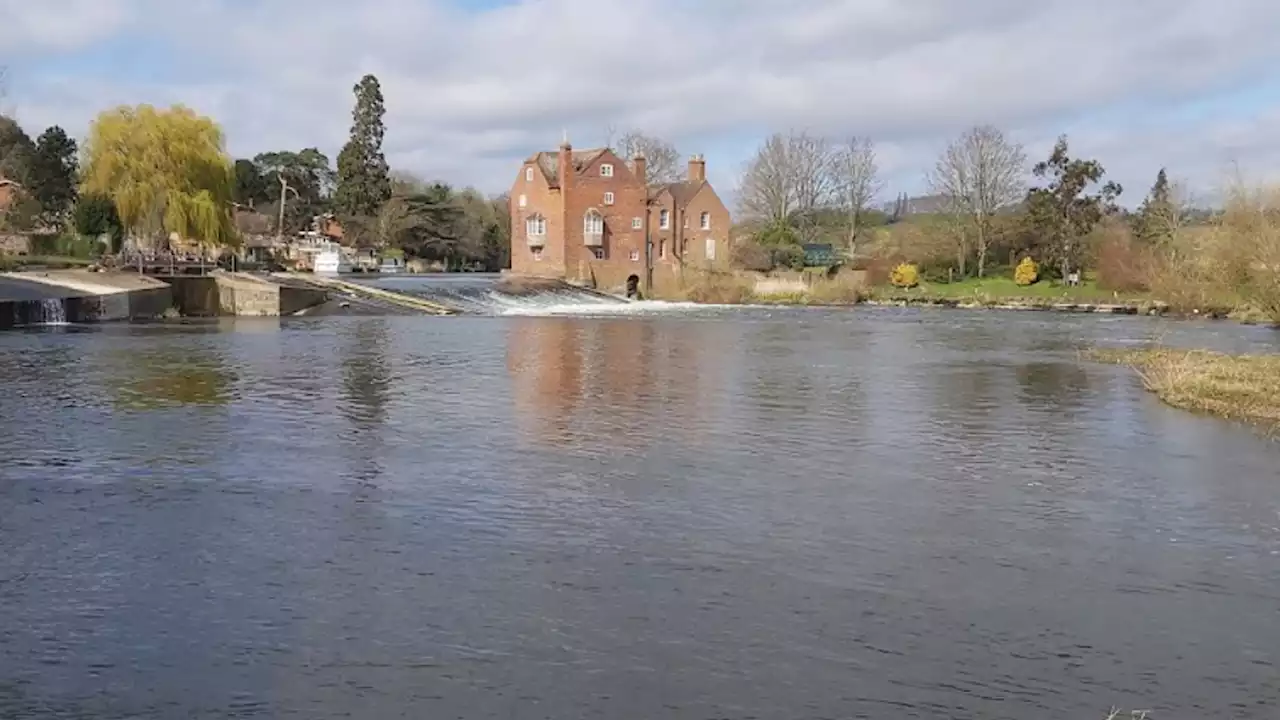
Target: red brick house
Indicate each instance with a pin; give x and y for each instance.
(586, 216)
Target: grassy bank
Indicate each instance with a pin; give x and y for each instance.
(11, 263)
(1244, 388)
(995, 289)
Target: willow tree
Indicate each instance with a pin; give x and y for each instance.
(165, 170)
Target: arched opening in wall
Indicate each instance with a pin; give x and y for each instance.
(633, 286)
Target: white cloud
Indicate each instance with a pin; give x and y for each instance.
(469, 93)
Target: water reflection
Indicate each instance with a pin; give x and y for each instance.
(170, 377)
(367, 387)
(601, 383)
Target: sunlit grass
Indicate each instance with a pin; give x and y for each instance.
(1245, 388)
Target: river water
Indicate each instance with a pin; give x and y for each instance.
(700, 513)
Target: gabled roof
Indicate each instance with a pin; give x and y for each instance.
(682, 193)
(549, 162)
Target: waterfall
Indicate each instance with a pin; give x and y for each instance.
(53, 311)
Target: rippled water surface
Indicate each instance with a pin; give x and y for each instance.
(697, 514)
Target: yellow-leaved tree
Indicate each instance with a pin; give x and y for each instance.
(166, 171)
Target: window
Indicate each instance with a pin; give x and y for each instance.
(706, 221)
(523, 201)
(528, 174)
(535, 226)
(711, 248)
(606, 170)
(598, 252)
(635, 256)
(664, 219)
(608, 198)
(593, 223)
(662, 249)
(637, 223)
(537, 254)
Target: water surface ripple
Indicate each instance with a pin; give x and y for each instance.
(722, 514)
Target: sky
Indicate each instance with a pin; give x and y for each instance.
(474, 86)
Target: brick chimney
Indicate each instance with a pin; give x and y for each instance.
(564, 167)
(639, 166)
(697, 169)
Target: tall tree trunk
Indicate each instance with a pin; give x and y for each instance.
(982, 248)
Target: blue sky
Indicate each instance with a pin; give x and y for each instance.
(472, 86)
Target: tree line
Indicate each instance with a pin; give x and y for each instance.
(147, 173)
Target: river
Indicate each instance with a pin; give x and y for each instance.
(701, 513)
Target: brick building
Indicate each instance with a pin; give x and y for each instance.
(586, 215)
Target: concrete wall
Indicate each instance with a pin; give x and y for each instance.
(239, 295)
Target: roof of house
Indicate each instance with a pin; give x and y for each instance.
(549, 162)
(682, 193)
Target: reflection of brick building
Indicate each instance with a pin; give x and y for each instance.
(635, 384)
(584, 215)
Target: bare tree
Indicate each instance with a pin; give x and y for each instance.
(857, 182)
(980, 173)
(789, 179)
(662, 160)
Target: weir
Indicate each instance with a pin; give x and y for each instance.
(497, 295)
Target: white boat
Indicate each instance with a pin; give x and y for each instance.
(391, 265)
(331, 262)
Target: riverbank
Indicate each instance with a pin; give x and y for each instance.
(1244, 388)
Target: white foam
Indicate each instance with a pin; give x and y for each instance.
(638, 307)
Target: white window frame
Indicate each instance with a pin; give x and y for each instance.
(606, 170)
(664, 219)
(705, 220)
(635, 256)
(593, 223)
(528, 174)
(637, 223)
(608, 198)
(524, 201)
(535, 226)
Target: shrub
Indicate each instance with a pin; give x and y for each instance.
(842, 288)
(1027, 272)
(718, 288)
(905, 275)
(751, 255)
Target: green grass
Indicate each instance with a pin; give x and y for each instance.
(10, 263)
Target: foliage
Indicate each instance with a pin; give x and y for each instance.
(905, 275)
(750, 254)
(363, 181)
(165, 170)
(718, 288)
(54, 170)
(250, 184)
(1060, 211)
(1027, 272)
(308, 177)
(95, 215)
(66, 245)
(17, 152)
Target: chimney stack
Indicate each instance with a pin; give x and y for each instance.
(640, 167)
(564, 169)
(697, 169)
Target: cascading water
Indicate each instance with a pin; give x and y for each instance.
(53, 311)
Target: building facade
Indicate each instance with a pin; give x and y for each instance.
(587, 216)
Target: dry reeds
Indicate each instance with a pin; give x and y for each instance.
(1245, 388)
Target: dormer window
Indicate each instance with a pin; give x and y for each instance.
(705, 219)
(606, 170)
(608, 198)
(528, 174)
(664, 219)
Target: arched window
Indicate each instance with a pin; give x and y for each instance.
(593, 223)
